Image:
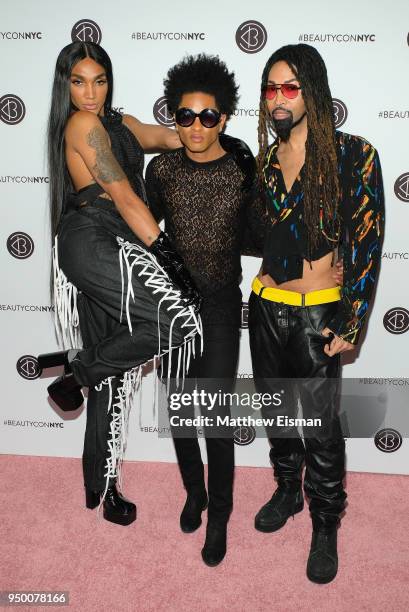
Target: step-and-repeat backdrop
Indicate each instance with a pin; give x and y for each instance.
(366, 52)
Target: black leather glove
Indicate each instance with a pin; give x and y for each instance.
(243, 157)
(174, 266)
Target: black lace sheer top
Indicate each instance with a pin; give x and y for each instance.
(204, 209)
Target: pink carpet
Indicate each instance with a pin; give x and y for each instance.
(49, 541)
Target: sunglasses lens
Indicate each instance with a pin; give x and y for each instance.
(209, 118)
(185, 117)
(270, 92)
(290, 91)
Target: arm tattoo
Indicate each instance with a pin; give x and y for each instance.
(106, 167)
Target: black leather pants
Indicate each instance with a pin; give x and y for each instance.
(286, 342)
(89, 256)
(213, 370)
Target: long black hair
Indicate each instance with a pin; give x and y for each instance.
(60, 111)
(321, 187)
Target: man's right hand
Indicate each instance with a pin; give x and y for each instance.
(175, 268)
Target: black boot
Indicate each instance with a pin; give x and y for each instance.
(214, 548)
(322, 563)
(117, 509)
(275, 513)
(191, 516)
(65, 391)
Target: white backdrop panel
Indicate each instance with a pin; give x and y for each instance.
(366, 53)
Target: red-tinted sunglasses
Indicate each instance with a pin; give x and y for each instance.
(289, 90)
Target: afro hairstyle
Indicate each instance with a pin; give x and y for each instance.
(206, 73)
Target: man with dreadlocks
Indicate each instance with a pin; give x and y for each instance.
(323, 191)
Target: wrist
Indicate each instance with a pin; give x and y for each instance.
(158, 239)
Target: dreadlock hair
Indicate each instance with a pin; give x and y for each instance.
(321, 187)
(206, 73)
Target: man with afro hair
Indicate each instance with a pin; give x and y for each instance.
(203, 192)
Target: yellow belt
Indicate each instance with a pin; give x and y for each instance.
(293, 298)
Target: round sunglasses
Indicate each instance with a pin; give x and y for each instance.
(208, 117)
(289, 90)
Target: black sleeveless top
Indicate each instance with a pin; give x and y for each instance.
(128, 153)
(127, 150)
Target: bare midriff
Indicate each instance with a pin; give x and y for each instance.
(317, 275)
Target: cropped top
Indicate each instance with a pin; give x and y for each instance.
(361, 218)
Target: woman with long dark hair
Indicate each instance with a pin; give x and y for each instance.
(117, 281)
